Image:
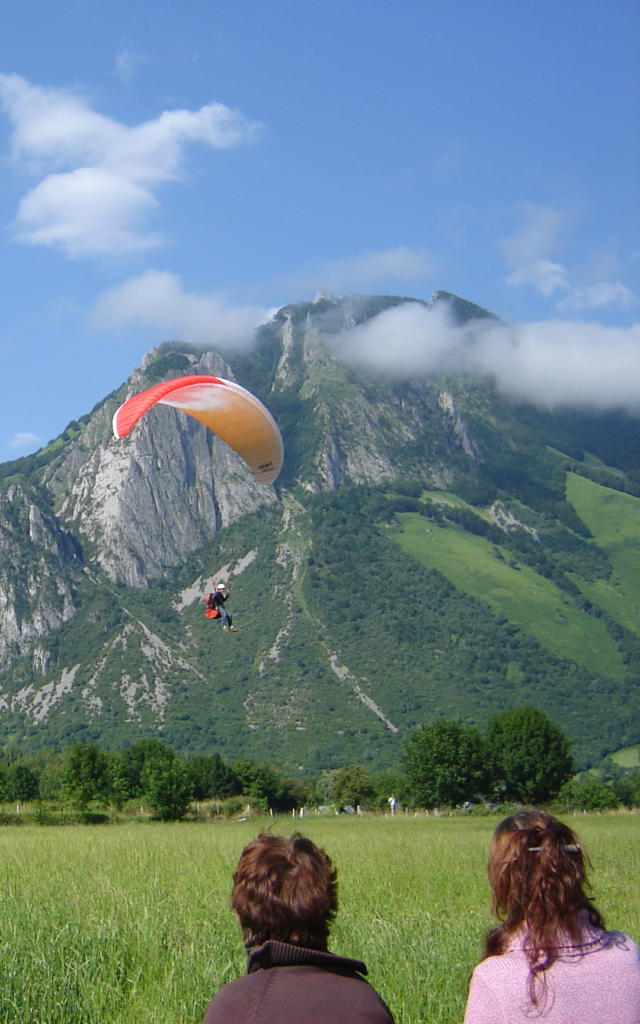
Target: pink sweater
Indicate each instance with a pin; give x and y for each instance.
(598, 983)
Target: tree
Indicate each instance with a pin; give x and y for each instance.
(532, 755)
(51, 776)
(168, 788)
(446, 764)
(119, 783)
(22, 782)
(211, 777)
(627, 788)
(290, 793)
(587, 794)
(257, 781)
(85, 774)
(351, 786)
(388, 783)
(323, 788)
(135, 759)
(265, 788)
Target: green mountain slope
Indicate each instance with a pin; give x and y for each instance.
(515, 591)
(431, 549)
(614, 520)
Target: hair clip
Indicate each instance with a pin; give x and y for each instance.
(569, 848)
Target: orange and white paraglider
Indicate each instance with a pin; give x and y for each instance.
(226, 408)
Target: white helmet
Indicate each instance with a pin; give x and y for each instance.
(221, 586)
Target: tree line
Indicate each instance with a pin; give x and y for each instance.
(522, 757)
(148, 771)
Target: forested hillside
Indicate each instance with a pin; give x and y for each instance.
(431, 549)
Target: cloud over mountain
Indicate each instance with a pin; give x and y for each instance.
(551, 363)
(156, 299)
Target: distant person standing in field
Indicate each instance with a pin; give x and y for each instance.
(285, 897)
(550, 958)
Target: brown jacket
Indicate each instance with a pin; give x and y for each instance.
(290, 985)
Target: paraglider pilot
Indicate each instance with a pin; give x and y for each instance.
(217, 601)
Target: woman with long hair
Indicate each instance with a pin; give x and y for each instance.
(550, 957)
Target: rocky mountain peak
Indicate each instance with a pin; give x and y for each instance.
(90, 525)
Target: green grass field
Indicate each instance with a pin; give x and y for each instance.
(514, 590)
(130, 924)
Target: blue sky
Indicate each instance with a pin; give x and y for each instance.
(180, 170)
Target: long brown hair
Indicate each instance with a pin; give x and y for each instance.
(538, 879)
(285, 889)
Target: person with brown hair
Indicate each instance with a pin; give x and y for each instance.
(550, 957)
(285, 897)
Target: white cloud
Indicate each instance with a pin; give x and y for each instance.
(527, 251)
(408, 339)
(156, 299)
(537, 236)
(544, 275)
(88, 211)
(24, 439)
(551, 363)
(103, 163)
(367, 271)
(596, 296)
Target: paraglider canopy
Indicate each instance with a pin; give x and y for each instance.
(226, 408)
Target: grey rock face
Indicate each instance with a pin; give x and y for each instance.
(145, 502)
(367, 429)
(40, 566)
(135, 508)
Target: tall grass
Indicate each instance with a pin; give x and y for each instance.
(131, 924)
